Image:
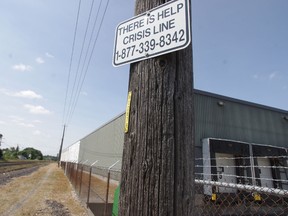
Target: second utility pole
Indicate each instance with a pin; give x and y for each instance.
(60, 150)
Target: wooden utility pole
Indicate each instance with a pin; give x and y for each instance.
(61, 145)
(158, 158)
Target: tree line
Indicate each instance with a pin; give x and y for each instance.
(30, 153)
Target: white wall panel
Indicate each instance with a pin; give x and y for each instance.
(71, 153)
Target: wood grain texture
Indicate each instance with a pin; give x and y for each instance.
(158, 155)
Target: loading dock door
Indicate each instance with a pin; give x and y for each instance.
(265, 172)
(226, 171)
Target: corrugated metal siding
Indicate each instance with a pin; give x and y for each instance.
(104, 144)
(238, 121)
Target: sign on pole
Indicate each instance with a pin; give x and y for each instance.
(162, 30)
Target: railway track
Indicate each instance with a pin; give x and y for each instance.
(9, 166)
(12, 169)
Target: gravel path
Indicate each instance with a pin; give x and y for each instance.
(41, 191)
(28, 195)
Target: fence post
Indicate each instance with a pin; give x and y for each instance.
(81, 180)
(73, 172)
(107, 191)
(70, 170)
(89, 184)
(65, 168)
(77, 171)
(81, 177)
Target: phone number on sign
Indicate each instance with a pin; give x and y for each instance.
(145, 47)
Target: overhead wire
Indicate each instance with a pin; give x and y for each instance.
(80, 77)
(84, 62)
(71, 59)
(73, 94)
(90, 57)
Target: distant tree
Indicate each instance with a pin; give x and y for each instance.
(50, 158)
(1, 154)
(10, 153)
(31, 153)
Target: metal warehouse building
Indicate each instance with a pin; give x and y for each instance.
(235, 141)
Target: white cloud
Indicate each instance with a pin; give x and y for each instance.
(2, 123)
(27, 94)
(267, 76)
(4, 91)
(37, 132)
(21, 122)
(40, 60)
(23, 94)
(26, 125)
(255, 76)
(22, 67)
(41, 133)
(272, 75)
(37, 121)
(15, 118)
(36, 109)
(84, 93)
(49, 55)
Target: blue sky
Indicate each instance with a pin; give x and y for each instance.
(240, 50)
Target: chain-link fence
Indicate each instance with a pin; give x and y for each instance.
(222, 186)
(94, 185)
(230, 185)
(220, 198)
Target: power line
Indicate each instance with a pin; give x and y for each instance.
(71, 58)
(80, 77)
(73, 94)
(87, 67)
(69, 113)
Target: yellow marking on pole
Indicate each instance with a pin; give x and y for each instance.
(213, 197)
(127, 112)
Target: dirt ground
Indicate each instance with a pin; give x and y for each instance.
(46, 191)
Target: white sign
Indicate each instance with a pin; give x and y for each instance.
(159, 31)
